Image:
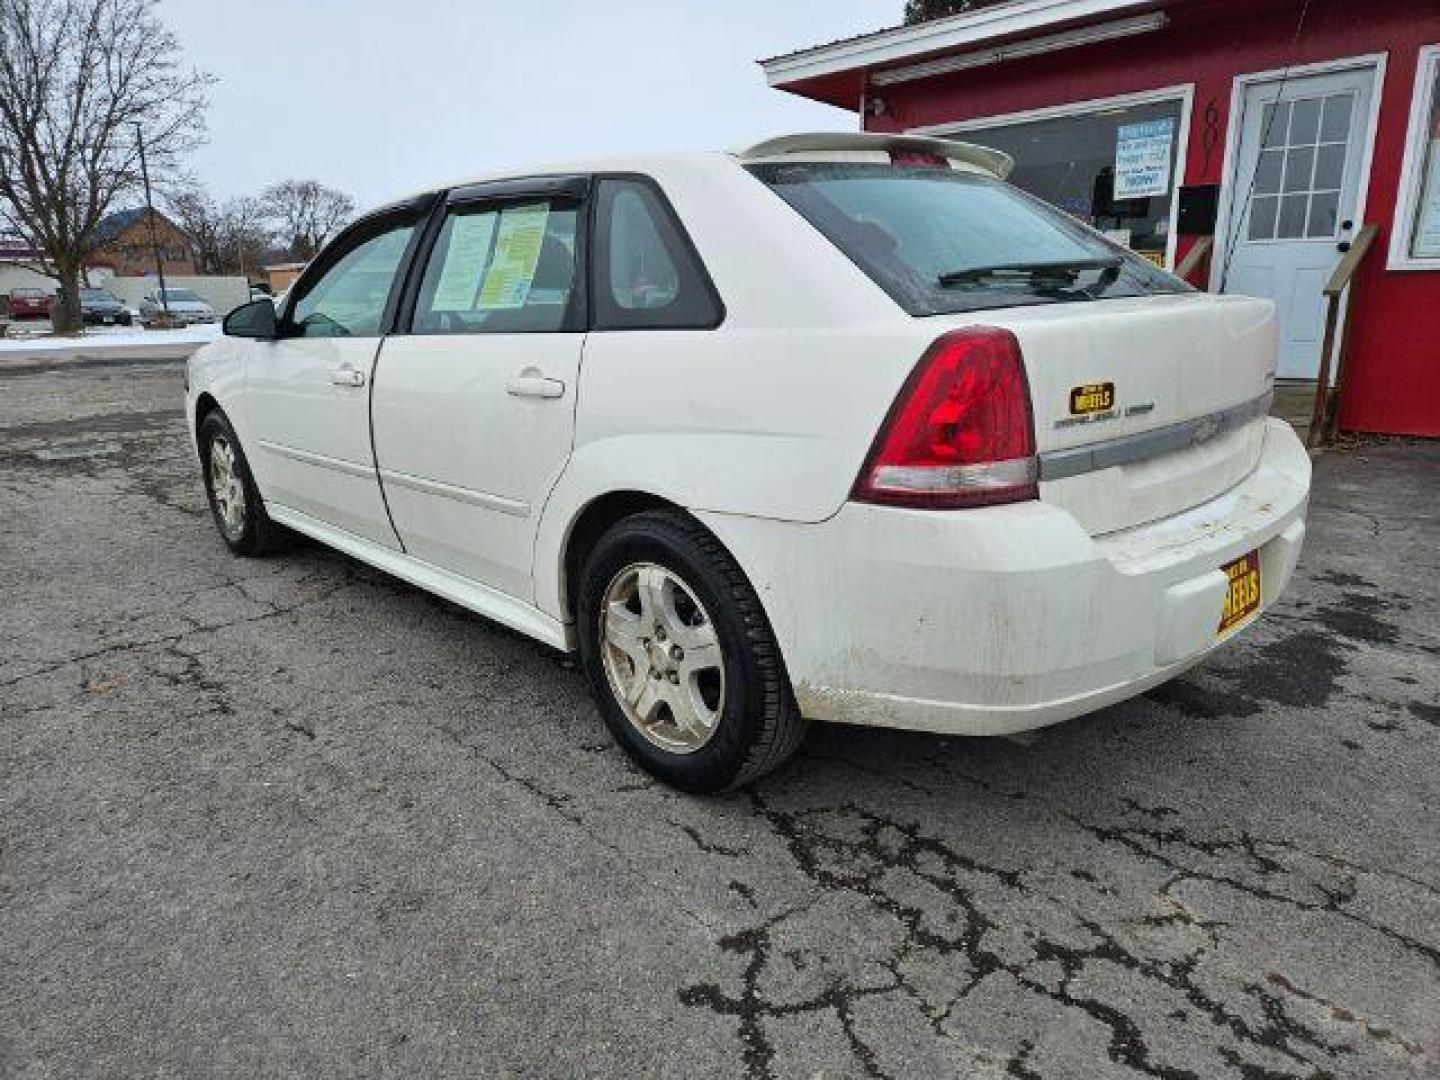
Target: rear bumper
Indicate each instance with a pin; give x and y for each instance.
(999, 620)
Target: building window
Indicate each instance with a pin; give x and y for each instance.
(1114, 164)
(1415, 238)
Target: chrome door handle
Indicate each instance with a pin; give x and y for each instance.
(533, 385)
(347, 376)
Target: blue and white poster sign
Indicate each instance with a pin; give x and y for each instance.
(1142, 159)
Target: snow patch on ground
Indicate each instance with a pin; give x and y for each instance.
(99, 338)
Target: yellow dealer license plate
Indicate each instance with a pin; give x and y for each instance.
(1243, 599)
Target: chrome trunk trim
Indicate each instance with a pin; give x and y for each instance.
(1128, 449)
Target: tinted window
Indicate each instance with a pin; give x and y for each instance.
(348, 299)
(928, 234)
(648, 276)
(506, 269)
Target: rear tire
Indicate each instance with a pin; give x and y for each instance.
(235, 503)
(710, 719)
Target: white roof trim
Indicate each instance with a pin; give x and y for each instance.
(1017, 18)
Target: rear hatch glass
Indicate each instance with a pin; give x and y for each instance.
(941, 240)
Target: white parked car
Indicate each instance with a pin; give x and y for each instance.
(185, 305)
(840, 427)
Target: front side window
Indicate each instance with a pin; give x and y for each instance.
(348, 299)
(1416, 243)
(940, 240)
(506, 269)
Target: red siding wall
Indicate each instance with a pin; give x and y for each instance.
(1394, 381)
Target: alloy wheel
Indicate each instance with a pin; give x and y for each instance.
(662, 657)
(226, 487)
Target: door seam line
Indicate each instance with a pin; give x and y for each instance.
(375, 450)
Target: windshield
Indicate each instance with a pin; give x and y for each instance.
(98, 295)
(182, 294)
(939, 240)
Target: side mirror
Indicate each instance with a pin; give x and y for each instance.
(253, 320)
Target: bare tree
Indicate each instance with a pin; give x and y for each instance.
(229, 237)
(305, 212)
(199, 215)
(76, 77)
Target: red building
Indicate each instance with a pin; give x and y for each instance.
(1276, 127)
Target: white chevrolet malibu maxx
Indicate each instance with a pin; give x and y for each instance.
(838, 427)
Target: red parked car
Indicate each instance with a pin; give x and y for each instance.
(25, 303)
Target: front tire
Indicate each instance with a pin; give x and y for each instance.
(680, 657)
(235, 502)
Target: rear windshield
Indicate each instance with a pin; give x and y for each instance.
(98, 294)
(180, 294)
(940, 241)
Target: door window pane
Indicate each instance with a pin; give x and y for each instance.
(500, 270)
(1305, 122)
(1299, 168)
(1070, 162)
(1267, 173)
(1330, 168)
(1263, 212)
(1275, 125)
(349, 299)
(1324, 214)
(1336, 125)
(1293, 212)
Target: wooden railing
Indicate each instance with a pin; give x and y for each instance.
(1337, 293)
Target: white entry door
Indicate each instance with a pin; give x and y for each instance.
(1295, 190)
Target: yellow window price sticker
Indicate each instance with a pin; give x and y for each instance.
(517, 252)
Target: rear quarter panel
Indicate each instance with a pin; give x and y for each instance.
(770, 414)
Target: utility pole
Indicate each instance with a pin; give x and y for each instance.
(150, 209)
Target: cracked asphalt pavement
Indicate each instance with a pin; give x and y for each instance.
(294, 818)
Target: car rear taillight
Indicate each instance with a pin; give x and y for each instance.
(960, 432)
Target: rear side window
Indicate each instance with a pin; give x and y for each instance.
(647, 274)
(501, 269)
(940, 240)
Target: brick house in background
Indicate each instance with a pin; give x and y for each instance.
(126, 249)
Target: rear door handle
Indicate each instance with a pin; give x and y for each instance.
(530, 383)
(347, 376)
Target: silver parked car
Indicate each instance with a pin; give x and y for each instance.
(185, 306)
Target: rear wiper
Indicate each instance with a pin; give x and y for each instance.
(1066, 270)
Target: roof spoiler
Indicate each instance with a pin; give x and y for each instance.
(968, 154)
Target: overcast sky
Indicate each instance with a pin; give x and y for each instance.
(378, 97)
